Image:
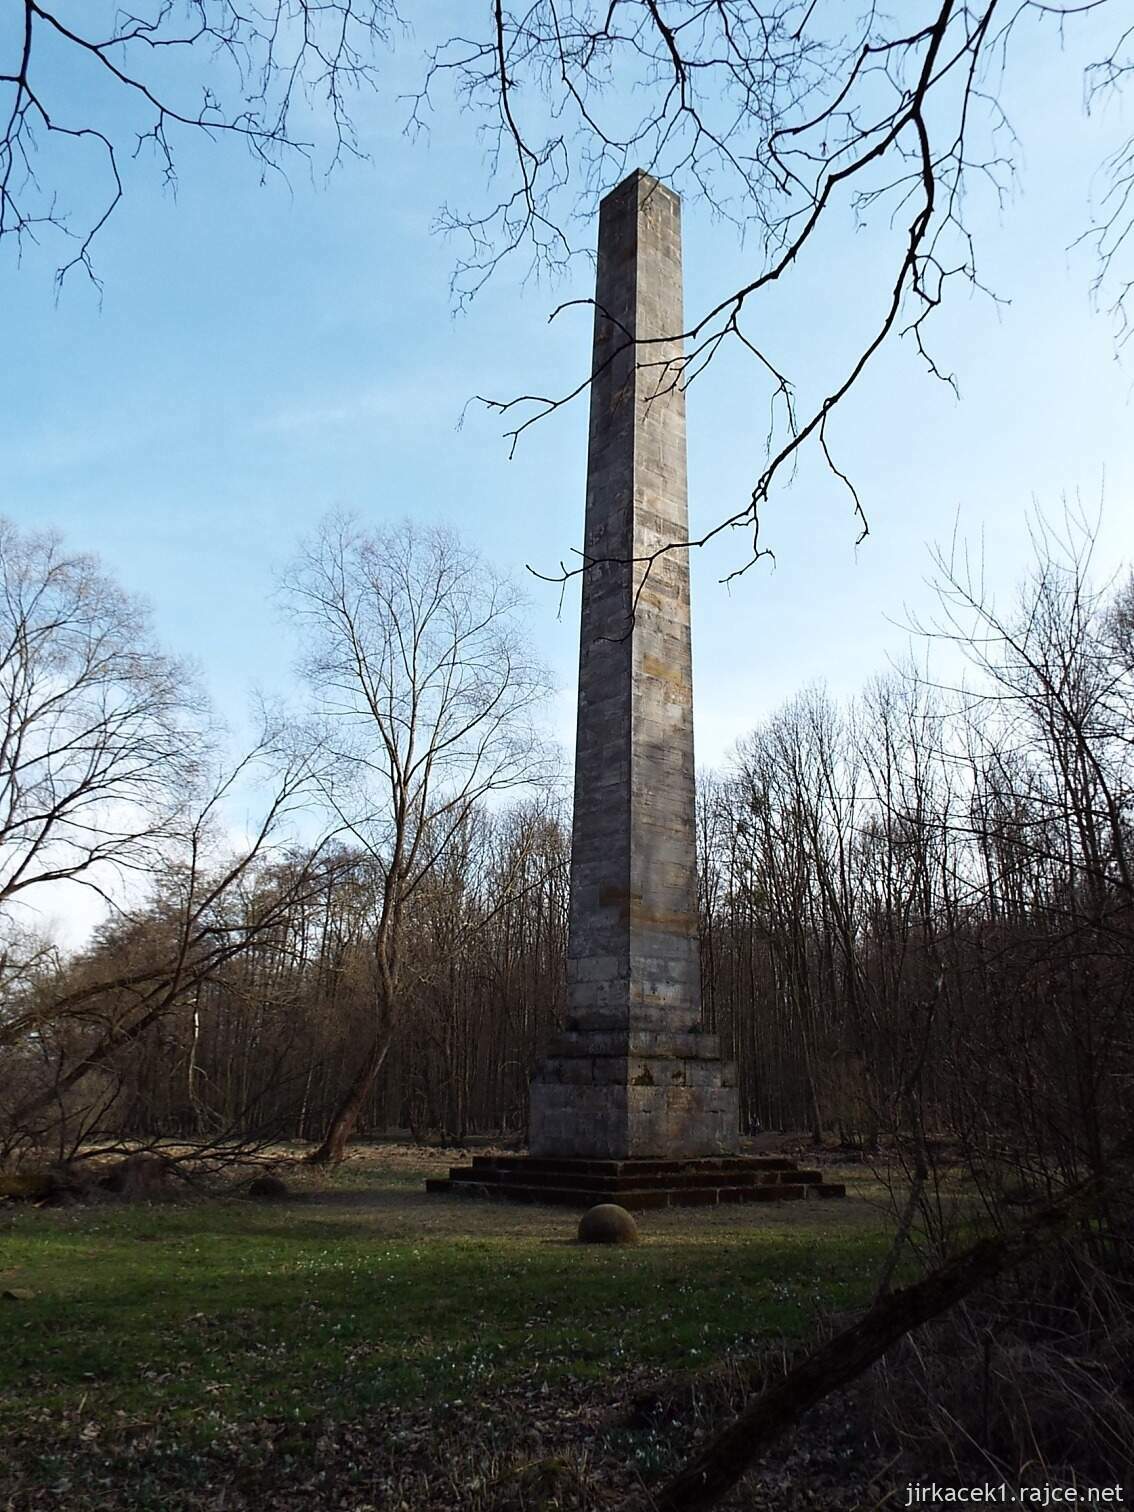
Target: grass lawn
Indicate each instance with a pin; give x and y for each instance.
(311, 1352)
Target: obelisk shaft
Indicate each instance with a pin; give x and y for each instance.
(632, 955)
(632, 1075)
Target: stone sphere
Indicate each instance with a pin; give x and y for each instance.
(268, 1188)
(607, 1224)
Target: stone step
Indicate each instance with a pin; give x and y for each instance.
(635, 1183)
(634, 1199)
(612, 1185)
(643, 1167)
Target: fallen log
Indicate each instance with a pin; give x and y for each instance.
(717, 1467)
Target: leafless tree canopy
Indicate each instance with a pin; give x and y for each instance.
(109, 782)
(253, 69)
(102, 734)
(424, 693)
(790, 119)
(423, 689)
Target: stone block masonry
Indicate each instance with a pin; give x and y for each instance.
(625, 1080)
(633, 1103)
(634, 1184)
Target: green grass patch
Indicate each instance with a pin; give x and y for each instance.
(373, 1296)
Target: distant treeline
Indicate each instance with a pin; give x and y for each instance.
(915, 918)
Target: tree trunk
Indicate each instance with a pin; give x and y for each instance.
(345, 1116)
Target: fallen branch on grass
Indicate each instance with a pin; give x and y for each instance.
(706, 1478)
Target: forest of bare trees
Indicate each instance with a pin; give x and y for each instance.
(915, 906)
(916, 929)
(916, 901)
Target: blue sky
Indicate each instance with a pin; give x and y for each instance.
(261, 355)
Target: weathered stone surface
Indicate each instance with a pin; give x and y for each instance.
(633, 1076)
(649, 1042)
(607, 1224)
(617, 1121)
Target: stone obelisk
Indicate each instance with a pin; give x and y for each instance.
(633, 1103)
(633, 1075)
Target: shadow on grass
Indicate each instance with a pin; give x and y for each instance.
(371, 1198)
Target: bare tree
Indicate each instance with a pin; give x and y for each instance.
(168, 70)
(424, 688)
(276, 994)
(790, 119)
(784, 115)
(103, 737)
(1047, 714)
(109, 783)
(183, 937)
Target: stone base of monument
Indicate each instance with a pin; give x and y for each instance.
(635, 1184)
(633, 1094)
